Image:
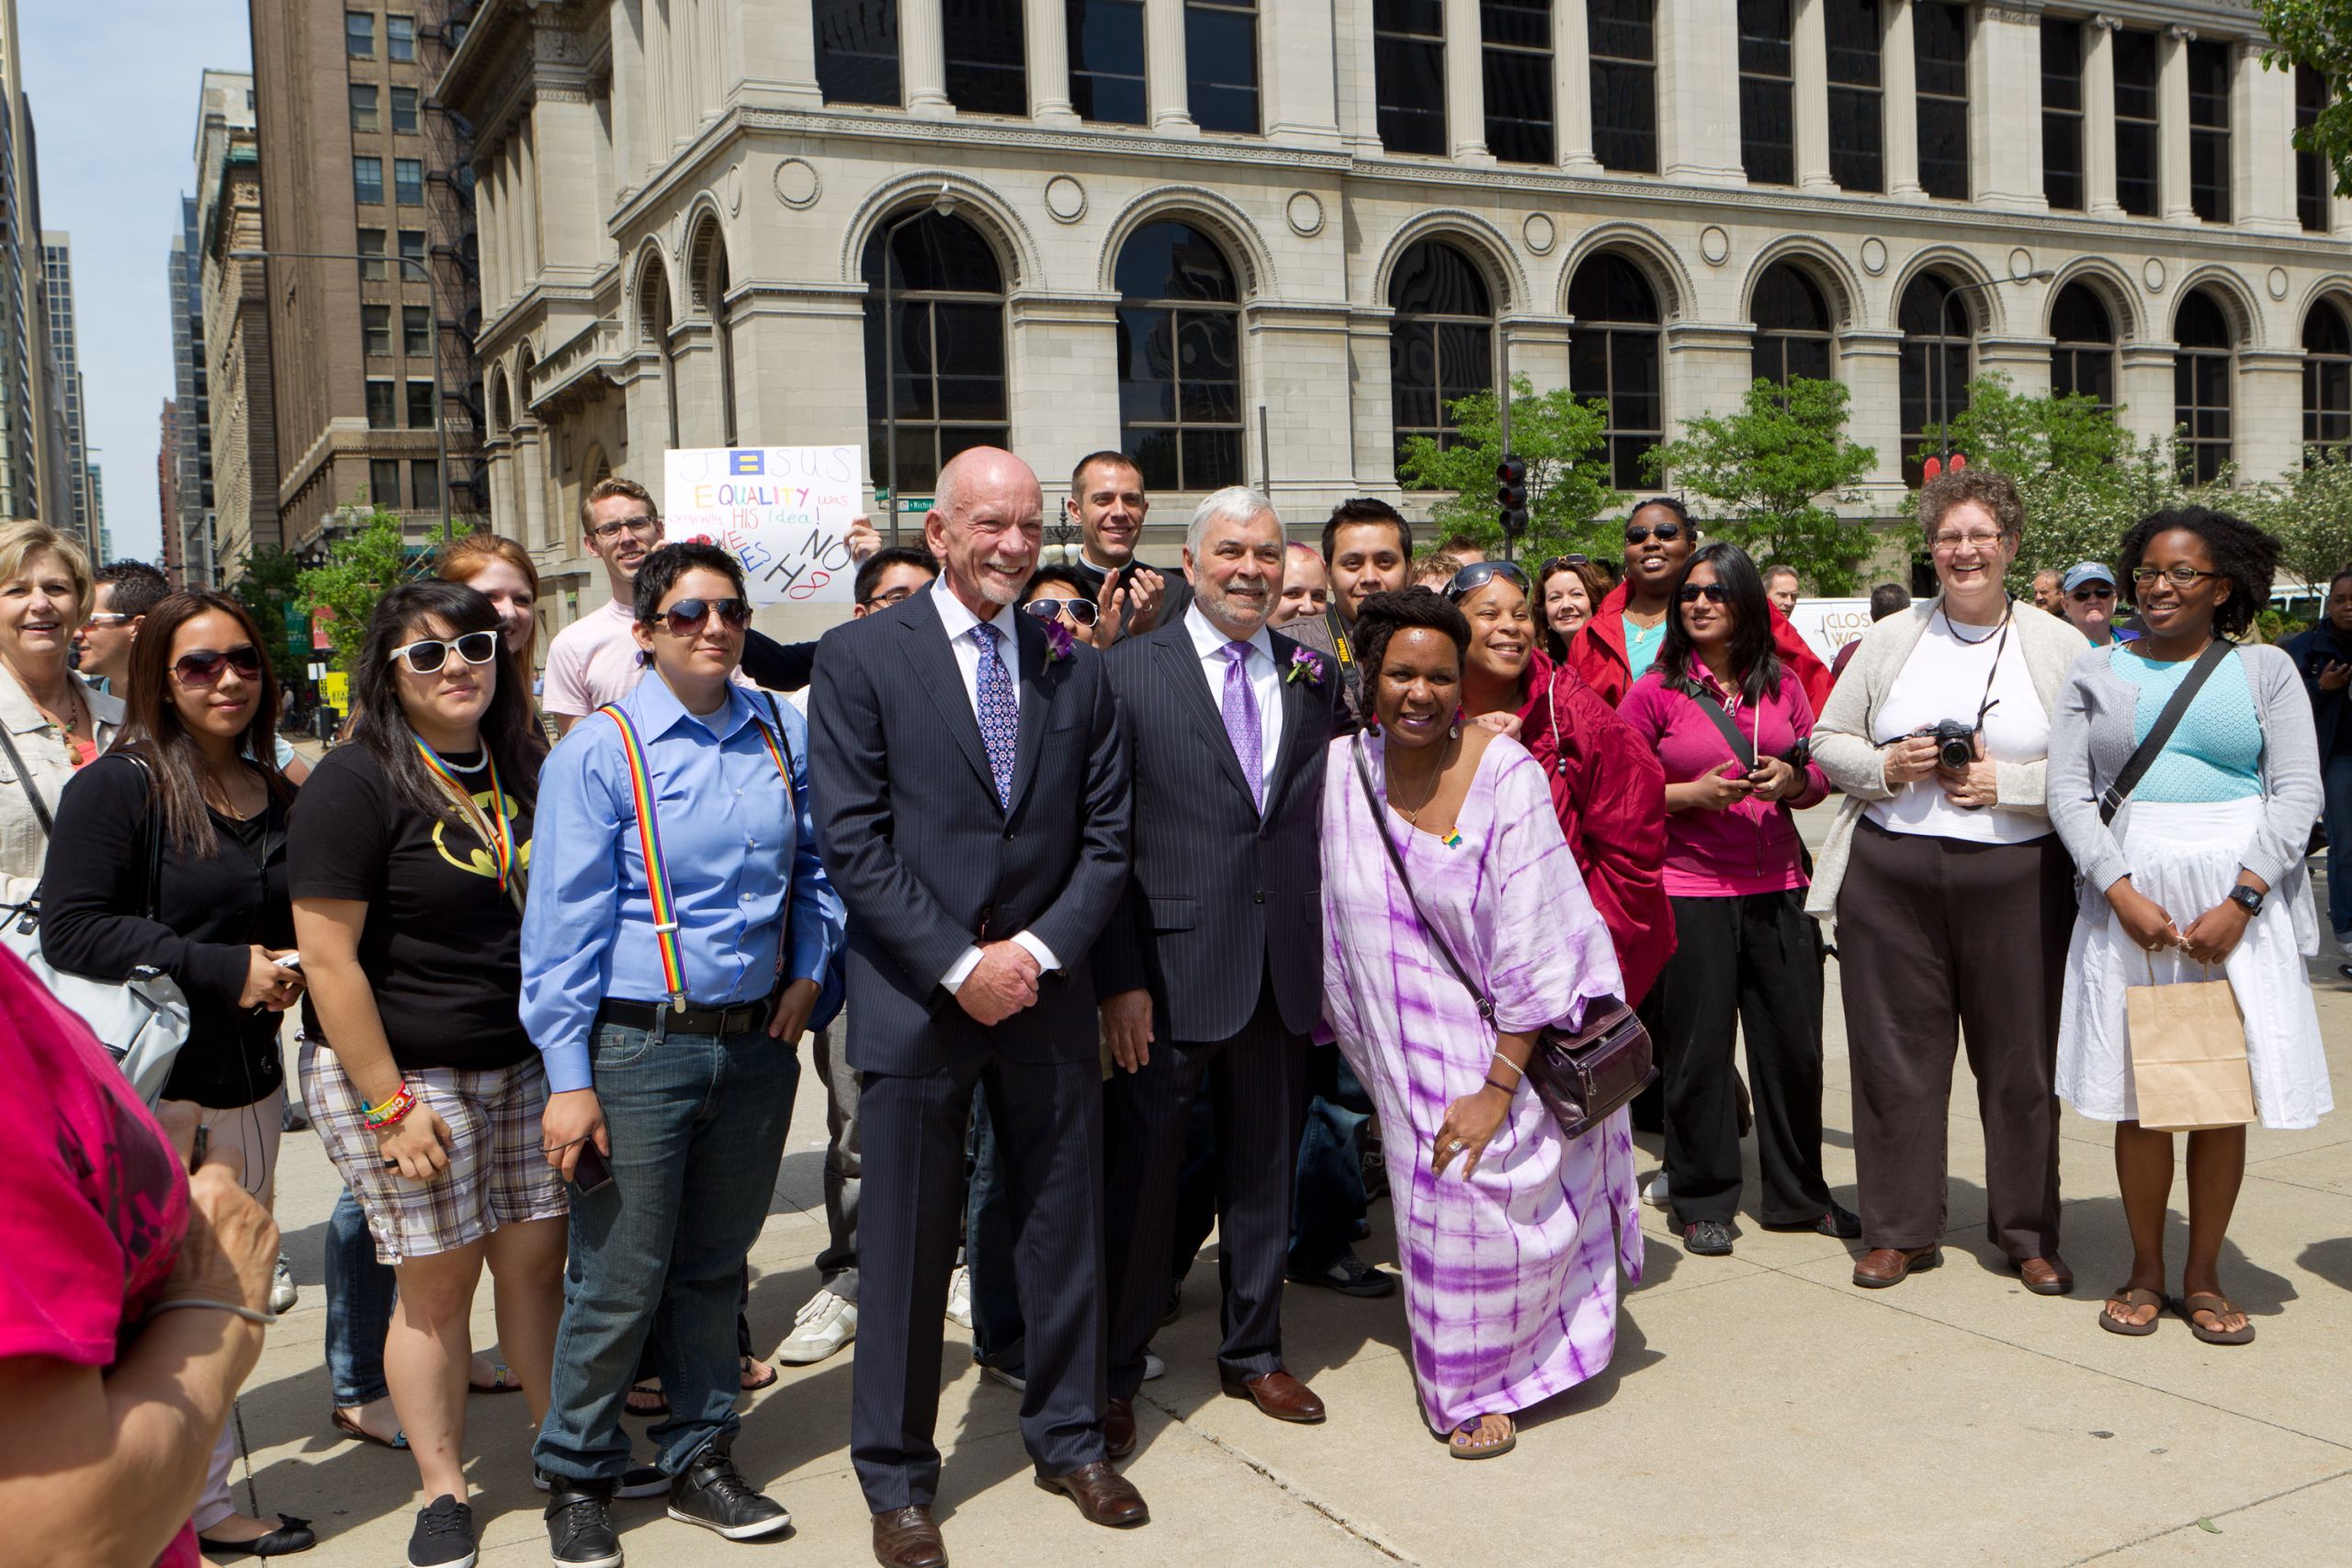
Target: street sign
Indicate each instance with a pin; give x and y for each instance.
(915, 504)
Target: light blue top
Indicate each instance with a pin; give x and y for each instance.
(1641, 648)
(2216, 754)
(753, 907)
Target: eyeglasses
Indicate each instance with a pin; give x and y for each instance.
(687, 616)
(107, 618)
(1712, 592)
(1664, 533)
(1478, 573)
(202, 667)
(2084, 595)
(2179, 576)
(1083, 611)
(604, 532)
(1974, 541)
(426, 655)
(888, 597)
(1556, 562)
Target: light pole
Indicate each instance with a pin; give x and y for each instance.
(432, 303)
(942, 204)
(1943, 408)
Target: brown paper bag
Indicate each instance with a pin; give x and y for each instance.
(2189, 1065)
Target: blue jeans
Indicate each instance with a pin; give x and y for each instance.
(696, 1123)
(360, 1306)
(1331, 1202)
(2335, 776)
(998, 1330)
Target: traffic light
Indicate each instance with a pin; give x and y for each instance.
(1512, 491)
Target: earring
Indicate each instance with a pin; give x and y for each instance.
(1454, 730)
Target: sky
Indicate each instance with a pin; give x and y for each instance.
(113, 86)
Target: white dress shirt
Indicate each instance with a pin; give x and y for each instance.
(1265, 683)
(964, 642)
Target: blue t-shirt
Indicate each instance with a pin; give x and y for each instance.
(1641, 648)
(2216, 754)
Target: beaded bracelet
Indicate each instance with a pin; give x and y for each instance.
(389, 1113)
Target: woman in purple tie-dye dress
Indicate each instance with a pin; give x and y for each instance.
(1511, 1282)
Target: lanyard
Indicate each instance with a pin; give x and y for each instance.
(499, 840)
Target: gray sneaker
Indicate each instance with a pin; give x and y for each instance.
(282, 1293)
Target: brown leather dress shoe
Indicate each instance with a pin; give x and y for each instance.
(2044, 1275)
(907, 1538)
(1884, 1266)
(1279, 1395)
(1119, 1428)
(1102, 1493)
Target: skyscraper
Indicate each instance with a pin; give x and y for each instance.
(34, 469)
(57, 257)
(241, 424)
(191, 450)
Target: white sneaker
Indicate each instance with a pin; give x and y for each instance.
(824, 1324)
(959, 1298)
(1655, 1192)
(1016, 1382)
(1152, 1366)
(282, 1293)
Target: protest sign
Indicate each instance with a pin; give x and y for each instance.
(784, 512)
(1828, 625)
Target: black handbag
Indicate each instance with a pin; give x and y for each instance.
(1580, 1075)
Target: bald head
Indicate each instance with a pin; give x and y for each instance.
(986, 524)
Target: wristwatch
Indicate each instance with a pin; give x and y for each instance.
(2246, 899)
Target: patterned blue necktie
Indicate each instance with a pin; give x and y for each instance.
(999, 719)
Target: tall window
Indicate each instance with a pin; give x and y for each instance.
(408, 181)
(1517, 65)
(420, 405)
(2061, 113)
(424, 483)
(1221, 58)
(384, 482)
(363, 107)
(2327, 375)
(1179, 359)
(1408, 74)
(1792, 327)
(371, 244)
(404, 108)
(1767, 146)
(1938, 334)
(1613, 355)
(359, 35)
(1856, 142)
(947, 354)
(400, 38)
(857, 50)
(416, 331)
(2201, 388)
(2083, 359)
(1106, 60)
(1939, 57)
(366, 179)
(1622, 38)
(986, 63)
(1441, 340)
(411, 242)
(2314, 184)
(383, 413)
(2137, 155)
(2210, 69)
(375, 329)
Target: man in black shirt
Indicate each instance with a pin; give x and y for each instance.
(1108, 504)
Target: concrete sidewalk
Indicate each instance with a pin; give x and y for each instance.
(1759, 1409)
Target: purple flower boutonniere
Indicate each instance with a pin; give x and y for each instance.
(1059, 644)
(1305, 665)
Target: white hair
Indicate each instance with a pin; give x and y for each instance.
(1234, 504)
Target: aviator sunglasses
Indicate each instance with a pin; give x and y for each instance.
(685, 617)
(1083, 611)
(202, 667)
(1713, 593)
(1478, 573)
(427, 655)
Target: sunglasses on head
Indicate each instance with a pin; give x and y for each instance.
(202, 666)
(1556, 562)
(1712, 592)
(1664, 533)
(687, 616)
(428, 654)
(1083, 611)
(1478, 573)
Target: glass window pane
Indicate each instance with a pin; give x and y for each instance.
(384, 482)
(359, 35)
(371, 244)
(366, 179)
(416, 330)
(381, 409)
(1221, 58)
(857, 50)
(420, 405)
(1106, 60)
(363, 107)
(408, 181)
(1411, 73)
(404, 108)
(376, 329)
(425, 483)
(1517, 76)
(1212, 460)
(400, 38)
(986, 69)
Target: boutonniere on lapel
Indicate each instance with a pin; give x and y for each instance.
(1305, 665)
(1059, 643)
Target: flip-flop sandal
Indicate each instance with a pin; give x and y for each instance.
(343, 1421)
(501, 1380)
(648, 1402)
(2128, 1299)
(1455, 1447)
(2189, 1309)
(753, 1386)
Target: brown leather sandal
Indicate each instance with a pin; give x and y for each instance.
(2131, 1300)
(2218, 1305)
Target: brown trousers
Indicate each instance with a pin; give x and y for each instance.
(1938, 940)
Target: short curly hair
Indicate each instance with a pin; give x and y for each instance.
(2242, 553)
(1988, 487)
(1385, 615)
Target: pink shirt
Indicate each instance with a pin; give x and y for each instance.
(592, 661)
(1751, 846)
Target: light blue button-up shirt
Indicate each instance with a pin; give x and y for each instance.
(753, 907)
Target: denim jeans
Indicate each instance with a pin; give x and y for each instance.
(696, 1123)
(998, 1331)
(360, 1306)
(1331, 1202)
(2336, 778)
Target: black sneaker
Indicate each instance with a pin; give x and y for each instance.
(637, 1481)
(580, 1529)
(1707, 1238)
(713, 1494)
(444, 1537)
(1350, 1277)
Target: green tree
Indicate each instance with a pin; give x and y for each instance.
(2309, 510)
(1766, 465)
(1567, 470)
(267, 587)
(2317, 33)
(361, 567)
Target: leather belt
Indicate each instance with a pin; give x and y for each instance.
(660, 1017)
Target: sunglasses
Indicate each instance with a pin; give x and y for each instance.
(1664, 533)
(2084, 595)
(687, 616)
(1478, 573)
(202, 667)
(427, 655)
(1712, 592)
(1556, 562)
(1083, 611)
(106, 618)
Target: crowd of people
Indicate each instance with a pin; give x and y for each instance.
(1117, 902)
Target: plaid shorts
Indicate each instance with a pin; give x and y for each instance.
(497, 1173)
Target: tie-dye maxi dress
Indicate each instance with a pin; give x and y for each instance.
(1511, 1284)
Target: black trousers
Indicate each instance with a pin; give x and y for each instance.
(1048, 1122)
(1744, 966)
(1256, 1086)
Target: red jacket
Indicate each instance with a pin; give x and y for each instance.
(1599, 654)
(1609, 789)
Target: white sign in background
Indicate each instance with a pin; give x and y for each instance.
(1828, 625)
(784, 512)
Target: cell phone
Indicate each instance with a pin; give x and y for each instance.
(591, 1172)
(290, 961)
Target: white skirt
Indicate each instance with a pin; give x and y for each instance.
(2185, 857)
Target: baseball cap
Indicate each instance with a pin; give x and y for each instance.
(2085, 571)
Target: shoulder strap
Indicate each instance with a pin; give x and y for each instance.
(1397, 859)
(2144, 756)
(1742, 749)
(155, 837)
(657, 870)
(16, 761)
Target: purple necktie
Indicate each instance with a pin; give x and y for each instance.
(1241, 720)
(999, 717)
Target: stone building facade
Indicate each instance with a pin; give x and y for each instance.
(234, 302)
(1265, 240)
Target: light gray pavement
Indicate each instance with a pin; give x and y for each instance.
(1759, 1409)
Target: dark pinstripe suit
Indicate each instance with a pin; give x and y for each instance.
(928, 862)
(1223, 924)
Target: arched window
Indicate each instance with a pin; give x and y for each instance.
(2201, 388)
(1440, 342)
(2327, 375)
(943, 347)
(711, 282)
(1792, 328)
(1613, 355)
(1179, 358)
(1938, 338)
(2083, 359)
(653, 322)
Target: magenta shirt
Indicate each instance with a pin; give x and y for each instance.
(1751, 847)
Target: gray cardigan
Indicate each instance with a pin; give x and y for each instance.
(2092, 737)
